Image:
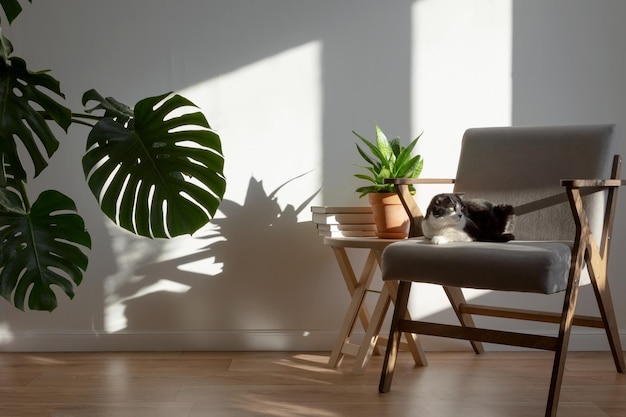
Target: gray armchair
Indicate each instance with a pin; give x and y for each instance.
(563, 184)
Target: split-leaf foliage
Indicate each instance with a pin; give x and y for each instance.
(156, 170)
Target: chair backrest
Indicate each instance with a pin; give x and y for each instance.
(523, 166)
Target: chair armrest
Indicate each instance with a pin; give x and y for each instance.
(401, 186)
(576, 189)
(592, 183)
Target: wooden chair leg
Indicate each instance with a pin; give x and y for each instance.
(560, 355)
(456, 297)
(395, 334)
(605, 304)
(413, 343)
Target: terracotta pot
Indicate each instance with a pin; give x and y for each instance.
(392, 221)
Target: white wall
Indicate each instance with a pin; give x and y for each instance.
(284, 83)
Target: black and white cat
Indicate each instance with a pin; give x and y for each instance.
(449, 218)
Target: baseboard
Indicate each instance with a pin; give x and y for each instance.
(236, 340)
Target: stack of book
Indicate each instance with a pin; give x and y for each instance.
(335, 221)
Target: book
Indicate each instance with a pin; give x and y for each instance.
(346, 227)
(341, 209)
(343, 218)
(347, 230)
(347, 233)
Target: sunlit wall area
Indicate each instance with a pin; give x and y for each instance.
(461, 74)
(461, 78)
(269, 116)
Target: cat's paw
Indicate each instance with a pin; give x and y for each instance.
(439, 240)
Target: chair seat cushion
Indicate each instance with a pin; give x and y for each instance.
(536, 267)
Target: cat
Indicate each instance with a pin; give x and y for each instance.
(449, 218)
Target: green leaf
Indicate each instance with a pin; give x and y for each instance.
(41, 249)
(382, 144)
(10, 202)
(364, 177)
(6, 48)
(388, 159)
(112, 108)
(376, 188)
(160, 173)
(413, 167)
(20, 89)
(11, 8)
(366, 157)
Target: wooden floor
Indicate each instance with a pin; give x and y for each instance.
(194, 384)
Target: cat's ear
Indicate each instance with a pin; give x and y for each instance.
(460, 195)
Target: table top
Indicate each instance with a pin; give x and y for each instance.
(359, 242)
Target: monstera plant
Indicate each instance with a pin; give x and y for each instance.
(156, 170)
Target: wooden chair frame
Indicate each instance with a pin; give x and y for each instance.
(585, 251)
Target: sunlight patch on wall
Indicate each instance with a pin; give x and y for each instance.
(115, 312)
(207, 266)
(461, 74)
(269, 117)
(461, 78)
(6, 335)
(142, 269)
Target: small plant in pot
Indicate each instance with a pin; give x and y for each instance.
(387, 159)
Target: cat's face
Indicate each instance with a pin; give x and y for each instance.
(446, 210)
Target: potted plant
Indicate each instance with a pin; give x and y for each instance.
(388, 159)
(155, 169)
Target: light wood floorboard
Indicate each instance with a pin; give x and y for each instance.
(293, 384)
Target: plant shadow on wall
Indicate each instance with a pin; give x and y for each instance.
(155, 169)
(262, 276)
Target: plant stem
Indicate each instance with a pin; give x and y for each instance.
(86, 116)
(81, 122)
(21, 187)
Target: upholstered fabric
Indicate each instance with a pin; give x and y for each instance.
(522, 167)
(538, 267)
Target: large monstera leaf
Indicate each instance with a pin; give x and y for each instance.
(25, 99)
(12, 8)
(40, 248)
(157, 170)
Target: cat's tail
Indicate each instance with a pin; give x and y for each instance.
(504, 237)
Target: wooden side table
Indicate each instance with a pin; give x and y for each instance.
(358, 289)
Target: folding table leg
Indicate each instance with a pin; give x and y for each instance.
(356, 308)
(371, 335)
